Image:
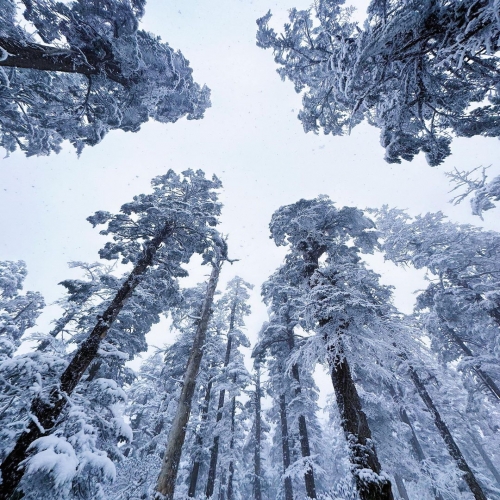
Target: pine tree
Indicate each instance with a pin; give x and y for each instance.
(233, 377)
(168, 474)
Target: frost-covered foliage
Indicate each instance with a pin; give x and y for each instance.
(419, 70)
(484, 193)
(460, 307)
(18, 312)
(76, 70)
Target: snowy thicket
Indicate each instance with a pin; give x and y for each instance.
(76, 70)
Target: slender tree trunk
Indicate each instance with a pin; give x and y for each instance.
(193, 479)
(230, 480)
(45, 412)
(286, 448)
(354, 422)
(401, 487)
(168, 473)
(415, 443)
(486, 458)
(452, 446)
(258, 430)
(214, 452)
(484, 377)
(303, 435)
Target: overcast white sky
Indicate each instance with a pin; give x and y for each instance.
(250, 138)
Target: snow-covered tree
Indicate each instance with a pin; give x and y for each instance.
(421, 71)
(74, 71)
(484, 193)
(156, 233)
(344, 301)
(168, 474)
(232, 379)
(461, 306)
(18, 312)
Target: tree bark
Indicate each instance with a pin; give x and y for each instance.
(28, 55)
(452, 446)
(303, 435)
(258, 431)
(45, 412)
(193, 479)
(168, 474)
(415, 443)
(214, 452)
(401, 487)
(230, 487)
(286, 448)
(363, 456)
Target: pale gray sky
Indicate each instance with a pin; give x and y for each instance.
(250, 138)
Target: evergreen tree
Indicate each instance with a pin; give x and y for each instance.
(345, 297)
(88, 70)
(420, 71)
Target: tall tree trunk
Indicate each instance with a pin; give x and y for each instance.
(230, 480)
(193, 479)
(303, 435)
(45, 412)
(486, 458)
(415, 443)
(484, 377)
(168, 474)
(214, 451)
(258, 431)
(452, 446)
(286, 448)
(354, 422)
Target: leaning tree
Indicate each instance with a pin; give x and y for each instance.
(74, 71)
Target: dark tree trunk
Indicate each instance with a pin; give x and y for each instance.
(401, 487)
(357, 432)
(230, 487)
(354, 422)
(486, 458)
(415, 443)
(303, 435)
(35, 56)
(286, 448)
(214, 451)
(452, 446)
(47, 411)
(258, 431)
(193, 479)
(168, 473)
